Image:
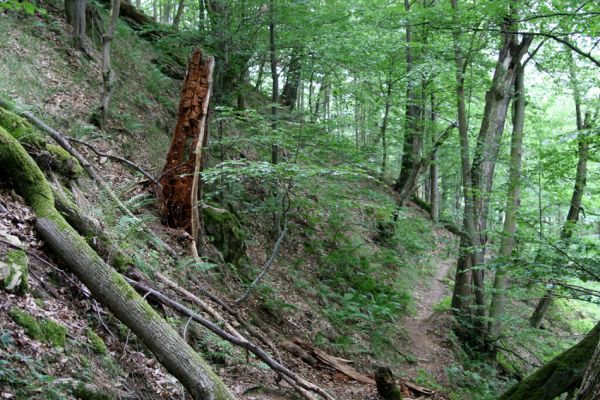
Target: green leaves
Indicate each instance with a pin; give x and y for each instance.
(24, 7)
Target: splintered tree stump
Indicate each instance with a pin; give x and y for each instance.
(180, 180)
(386, 384)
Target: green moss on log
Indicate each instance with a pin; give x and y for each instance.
(49, 155)
(563, 373)
(17, 126)
(19, 259)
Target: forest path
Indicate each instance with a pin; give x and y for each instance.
(426, 331)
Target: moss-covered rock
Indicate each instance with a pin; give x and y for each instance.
(96, 343)
(226, 232)
(14, 272)
(46, 330)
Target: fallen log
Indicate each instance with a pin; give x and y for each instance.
(105, 283)
(335, 363)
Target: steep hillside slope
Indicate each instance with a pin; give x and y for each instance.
(341, 281)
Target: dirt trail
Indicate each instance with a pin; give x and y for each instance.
(425, 331)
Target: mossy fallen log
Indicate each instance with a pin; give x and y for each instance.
(106, 284)
(562, 374)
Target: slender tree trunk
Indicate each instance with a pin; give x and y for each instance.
(462, 289)
(580, 182)
(138, 4)
(107, 72)
(75, 16)
(274, 110)
(512, 203)
(275, 80)
(178, 15)
(434, 192)
(412, 141)
(260, 74)
(384, 125)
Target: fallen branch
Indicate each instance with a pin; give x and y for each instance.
(116, 158)
(266, 267)
(289, 376)
(249, 328)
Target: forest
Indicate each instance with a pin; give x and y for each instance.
(300, 199)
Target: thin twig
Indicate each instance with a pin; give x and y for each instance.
(123, 160)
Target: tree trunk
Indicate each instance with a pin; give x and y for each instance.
(274, 110)
(107, 72)
(289, 94)
(462, 289)
(563, 373)
(180, 180)
(434, 192)
(512, 203)
(384, 125)
(78, 23)
(104, 282)
(580, 182)
(590, 387)
(412, 140)
(178, 15)
(386, 384)
(484, 161)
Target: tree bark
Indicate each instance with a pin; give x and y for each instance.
(75, 16)
(180, 180)
(386, 384)
(384, 125)
(178, 15)
(590, 386)
(434, 192)
(107, 72)
(484, 163)
(512, 203)
(412, 139)
(289, 94)
(462, 289)
(563, 373)
(105, 283)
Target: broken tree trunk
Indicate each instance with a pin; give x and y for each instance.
(562, 374)
(104, 282)
(180, 180)
(386, 384)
